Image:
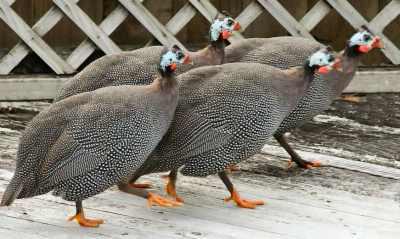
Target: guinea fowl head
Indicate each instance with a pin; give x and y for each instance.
(322, 61)
(222, 28)
(362, 42)
(170, 58)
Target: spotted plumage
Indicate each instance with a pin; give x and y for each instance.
(82, 145)
(225, 114)
(286, 52)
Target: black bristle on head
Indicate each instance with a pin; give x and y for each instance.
(351, 51)
(309, 69)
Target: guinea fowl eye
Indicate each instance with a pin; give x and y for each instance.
(367, 37)
(331, 58)
(230, 22)
(179, 55)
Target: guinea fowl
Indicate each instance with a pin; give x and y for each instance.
(225, 114)
(88, 142)
(139, 67)
(286, 52)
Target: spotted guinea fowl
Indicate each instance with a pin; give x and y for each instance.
(88, 142)
(139, 66)
(286, 52)
(225, 114)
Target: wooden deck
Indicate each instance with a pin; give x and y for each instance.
(329, 202)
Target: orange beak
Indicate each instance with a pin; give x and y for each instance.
(324, 70)
(236, 27)
(187, 59)
(226, 34)
(377, 43)
(173, 66)
(364, 48)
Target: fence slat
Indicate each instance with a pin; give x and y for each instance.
(249, 14)
(33, 40)
(210, 12)
(348, 12)
(21, 50)
(285, 19)
(179, 20)
(386, 16)
(315, 15)
(83, 21)
(143, 15)
(108, 25)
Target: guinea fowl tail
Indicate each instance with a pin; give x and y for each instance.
(12, 192)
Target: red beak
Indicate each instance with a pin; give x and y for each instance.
(226, 34)
(377, 42)
(364, 48)
(236, 27)
(324, 70)
(187, 59)
(173, 66)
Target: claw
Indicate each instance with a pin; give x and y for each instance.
(160, 201)
(244, 203)
(351, 98)
(85, 222)
(306, 164)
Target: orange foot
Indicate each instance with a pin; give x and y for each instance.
(85, 222)
(153, 198)
(243, 202)
(351, 98)
(307, 165)
(141, 185)
(171, 191)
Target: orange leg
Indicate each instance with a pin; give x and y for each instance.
(294, 156)
(233, 168)
(170, 187)
(80, 217)
(244, 203)
(153, 198)
(141, 185)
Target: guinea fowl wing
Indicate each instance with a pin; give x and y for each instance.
(104, 138)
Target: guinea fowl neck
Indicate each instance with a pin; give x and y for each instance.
(213, 54)
(299, 80)
(166, 81)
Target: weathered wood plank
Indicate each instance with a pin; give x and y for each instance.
(83, 21)
(207, 9)
(108, 25)
(143, 15)
(348, 12)
(46, 87)
(33, 40)
(32, 88)
(285, 18)
(315, 15)
(293, 210)
(249, 14)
